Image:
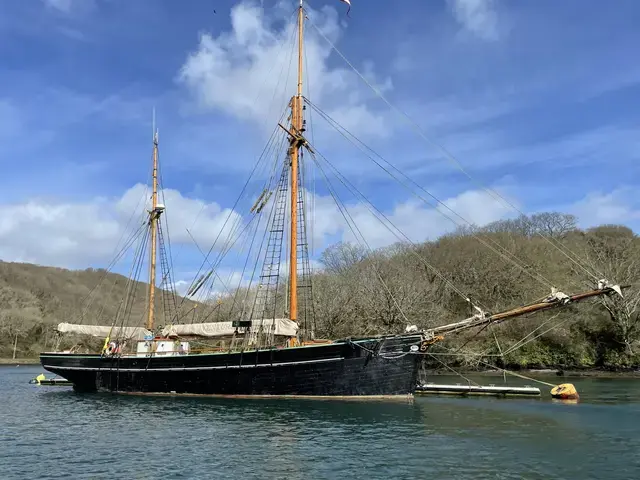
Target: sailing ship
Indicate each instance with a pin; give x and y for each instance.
(261, 353)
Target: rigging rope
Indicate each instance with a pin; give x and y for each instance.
(453, 370)
(503, 253)
(271, 146)
(167, 247)
(113, 285)
(268, 187)
(267, 234)
(370, 206)
(257, 97)
(117, 256)
(232, 210)
(522, 344)
(131, 282)
(561, 248)
(114, 262)
(353, 227)
(263, 155)
(313, 180)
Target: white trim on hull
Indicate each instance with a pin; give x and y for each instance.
(181, 369)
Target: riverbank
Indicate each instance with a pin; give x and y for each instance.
(591, 373)
(19, 361)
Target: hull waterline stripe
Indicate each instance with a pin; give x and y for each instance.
(181, 369)
(401, 397)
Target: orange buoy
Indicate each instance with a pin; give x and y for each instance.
(565, 391)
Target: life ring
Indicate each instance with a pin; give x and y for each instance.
(111, 349)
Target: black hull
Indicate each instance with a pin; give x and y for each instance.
(378, 367)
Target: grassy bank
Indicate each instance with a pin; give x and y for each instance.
(587, 373)
(19, 361)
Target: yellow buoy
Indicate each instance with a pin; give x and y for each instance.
(565, 391)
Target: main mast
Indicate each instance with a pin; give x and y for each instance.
(297, 128)
(154, 214)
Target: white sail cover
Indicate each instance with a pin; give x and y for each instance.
(103, 331)
(277, 326)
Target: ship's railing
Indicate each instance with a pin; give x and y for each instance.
(196, 351)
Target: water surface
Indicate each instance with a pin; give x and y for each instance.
(52, 432)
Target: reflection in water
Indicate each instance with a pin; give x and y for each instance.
(281, 411)
(55, 432)
(573, 401)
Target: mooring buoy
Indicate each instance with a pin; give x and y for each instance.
(565, 391)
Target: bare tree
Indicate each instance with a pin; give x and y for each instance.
(342, 256)
(614, 250)
(553, 224)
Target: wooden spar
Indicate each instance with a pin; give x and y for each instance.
(153, 219)
(519, 311)
(535, 307)
(294, 153)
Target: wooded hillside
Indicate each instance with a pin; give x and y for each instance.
(603, 332)
(33, 299)
(505, 264)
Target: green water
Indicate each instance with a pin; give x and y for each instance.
(52, 432)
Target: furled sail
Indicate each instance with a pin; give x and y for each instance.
(103, 331)
(275, 326)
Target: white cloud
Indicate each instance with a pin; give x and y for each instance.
(182, 287)
(617, 145)
(223, 283)
(77, 234)
(63, 6)
(55, 234)
(69, 7)
(226, 281)
(250, 71)
(204, 220)
(620, 206)
(477, 16)
(415, 219)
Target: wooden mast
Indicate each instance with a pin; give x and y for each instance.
(154, 214)
(294, 154)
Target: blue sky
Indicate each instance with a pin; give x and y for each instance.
(538, 100)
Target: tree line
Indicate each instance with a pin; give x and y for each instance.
(502, 265)
(358, 292)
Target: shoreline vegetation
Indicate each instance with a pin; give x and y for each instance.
(19, 361)
(544, 373)
(599, 335)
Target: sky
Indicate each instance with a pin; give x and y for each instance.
(536, 100)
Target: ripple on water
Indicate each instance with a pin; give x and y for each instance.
(54, 433)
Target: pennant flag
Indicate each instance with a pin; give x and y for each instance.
(348, 2)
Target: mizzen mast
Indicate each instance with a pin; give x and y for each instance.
(295, 143)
